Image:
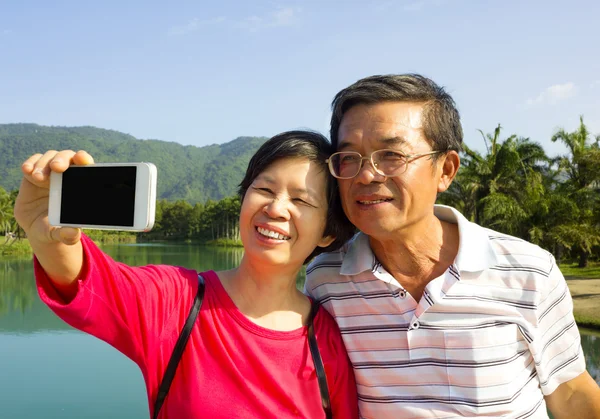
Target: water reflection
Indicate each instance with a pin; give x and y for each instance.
(22, 312)
(16, 294)
(590, 342)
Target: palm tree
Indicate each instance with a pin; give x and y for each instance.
(499, 189)
(580, 169)
(7, 219)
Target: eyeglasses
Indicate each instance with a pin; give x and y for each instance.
(386, 162)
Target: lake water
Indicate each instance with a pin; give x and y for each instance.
(49, 370)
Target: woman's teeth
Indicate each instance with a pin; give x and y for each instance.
(271, 234)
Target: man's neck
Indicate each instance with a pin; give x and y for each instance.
(420, 254)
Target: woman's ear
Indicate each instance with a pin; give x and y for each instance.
(326, 241)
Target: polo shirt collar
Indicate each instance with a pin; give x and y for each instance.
(475, 252)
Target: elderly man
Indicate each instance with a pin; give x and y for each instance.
(441, 318)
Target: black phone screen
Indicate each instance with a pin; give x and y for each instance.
(103, 196)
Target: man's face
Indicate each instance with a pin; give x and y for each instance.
(383, 206)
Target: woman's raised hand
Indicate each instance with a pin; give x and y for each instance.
(31, 206)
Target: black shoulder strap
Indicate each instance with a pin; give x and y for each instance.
(169, 374)
(316, 356)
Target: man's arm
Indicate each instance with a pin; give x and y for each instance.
(577, 398)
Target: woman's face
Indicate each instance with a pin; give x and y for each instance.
(284, 212)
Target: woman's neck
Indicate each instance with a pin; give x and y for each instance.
(267, 295)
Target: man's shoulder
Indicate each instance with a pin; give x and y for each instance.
(326, 267)
(327, 260)
(514, 251)
(326, 263)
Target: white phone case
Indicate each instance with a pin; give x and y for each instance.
(145, 199)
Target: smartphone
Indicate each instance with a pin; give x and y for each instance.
(104, 196)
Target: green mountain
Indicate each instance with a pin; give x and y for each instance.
(195, 174)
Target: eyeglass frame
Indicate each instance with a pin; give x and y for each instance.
(409, 158)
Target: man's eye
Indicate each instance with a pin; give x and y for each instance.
(350, 158)
(391, 155)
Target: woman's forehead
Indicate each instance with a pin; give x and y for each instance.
(298, 175)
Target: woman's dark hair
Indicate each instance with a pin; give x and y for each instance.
(315, 148)
(441, 120)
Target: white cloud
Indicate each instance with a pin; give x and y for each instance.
(381, 6)
(252, 23)
(286, 16)
(414, 6)
(406, 5)
(195, 24)
(554, 94)
(281, 17)
(595, 84)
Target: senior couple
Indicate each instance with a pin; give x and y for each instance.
(440, 317)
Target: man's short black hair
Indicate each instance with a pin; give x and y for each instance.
(441, 120)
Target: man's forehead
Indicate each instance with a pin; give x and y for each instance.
(382, 142)
(393, 124)
(401, 114)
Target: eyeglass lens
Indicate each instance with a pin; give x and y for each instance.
(387, 162)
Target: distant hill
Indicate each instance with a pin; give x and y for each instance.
(195, 174)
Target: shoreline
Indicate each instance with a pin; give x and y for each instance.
(585, 292)
(586, 302)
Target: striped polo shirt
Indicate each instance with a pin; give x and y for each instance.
(488, 338)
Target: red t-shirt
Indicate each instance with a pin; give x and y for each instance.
(231, 367)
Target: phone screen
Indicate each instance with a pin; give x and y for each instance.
(103, 196)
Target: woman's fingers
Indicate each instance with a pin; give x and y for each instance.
(41, 169)
(58, 161)
(66, 235)
(29, 164)
(82, 158)
(37, 168)
(61, 161)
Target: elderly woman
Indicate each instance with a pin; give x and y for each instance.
(249, 353)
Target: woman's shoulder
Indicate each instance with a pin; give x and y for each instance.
(325, 324)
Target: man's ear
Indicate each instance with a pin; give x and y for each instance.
(326, 241)
(447, 170)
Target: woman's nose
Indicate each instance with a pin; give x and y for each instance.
(277, 209)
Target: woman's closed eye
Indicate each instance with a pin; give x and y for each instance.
(303, 202)
(264, 190)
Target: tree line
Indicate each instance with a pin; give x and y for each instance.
(512, 187)
(213, 221)
(515, 188)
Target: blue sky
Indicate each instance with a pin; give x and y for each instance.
(199, 72)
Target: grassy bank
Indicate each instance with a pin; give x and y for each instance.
(21, 247)
(111, 237)
(586, 301)
(589, 322)
(584, 284)
(15, 248)
(225, 243)
(571, 271)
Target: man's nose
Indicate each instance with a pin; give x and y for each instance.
(368, 174)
